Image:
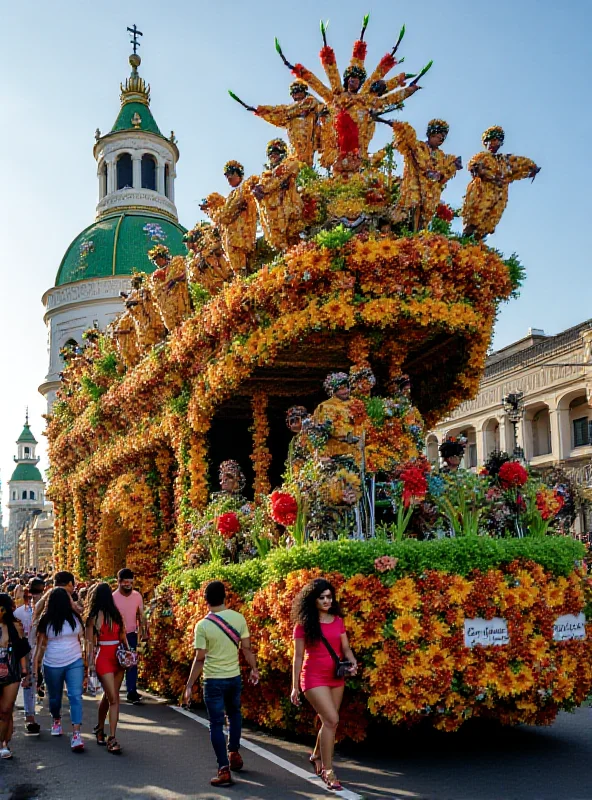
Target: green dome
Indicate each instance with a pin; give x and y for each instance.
(26, 436)
(119, 245)
(26, 472)
(144, 121)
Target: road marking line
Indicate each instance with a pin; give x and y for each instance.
(277, 760)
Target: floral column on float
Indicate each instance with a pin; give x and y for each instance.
(257, 415)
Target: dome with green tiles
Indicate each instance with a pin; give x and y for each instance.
(118, 245)
(26, 472)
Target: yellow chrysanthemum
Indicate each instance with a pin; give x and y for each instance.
(403, 595)
(407, 627)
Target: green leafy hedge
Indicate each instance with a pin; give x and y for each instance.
(460, 556)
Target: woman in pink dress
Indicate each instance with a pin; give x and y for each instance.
(320, 642)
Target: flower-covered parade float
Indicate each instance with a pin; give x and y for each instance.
(256, 414)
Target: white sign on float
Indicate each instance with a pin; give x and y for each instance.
(486, 632)
(569, 626)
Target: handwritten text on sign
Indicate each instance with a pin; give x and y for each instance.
(569, 626)
(486, 632)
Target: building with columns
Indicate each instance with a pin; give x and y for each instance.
(26, 491)
(136, 171)
(554, 374)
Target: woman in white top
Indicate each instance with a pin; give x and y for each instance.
(60, 637)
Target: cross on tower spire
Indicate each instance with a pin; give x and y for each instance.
(135, 33)
(27, 415)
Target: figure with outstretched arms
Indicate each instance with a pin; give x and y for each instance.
(492, 173)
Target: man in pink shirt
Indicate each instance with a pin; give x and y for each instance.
(130, 604)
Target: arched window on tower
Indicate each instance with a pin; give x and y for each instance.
(103, 180)
(31, 495)
(24, 497)
(125, 172)
(167, 178)
(148, 172)
(14, 495)
(27, 452)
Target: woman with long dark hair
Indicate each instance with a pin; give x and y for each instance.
(14, 649)
(322, 658)
(105, 630)
(60, 638)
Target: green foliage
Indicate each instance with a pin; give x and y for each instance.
(180, 403)
(107, 365)
(460, 556)
(517, 273)
(375, 410)
(91, 388)
(306, 176)
(199, 295)
(335, 238)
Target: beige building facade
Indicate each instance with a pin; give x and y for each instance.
(554, 375)
(35, 543)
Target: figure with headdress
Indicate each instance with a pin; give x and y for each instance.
(297, 118)
(206, 264)
(426, 171)
(232, 482)
(169, 289)
(487, 193)
(300, 448)
(140, 303)
(280, 206)
(124, 332)
(361, 381)
(348, 127)
(452, 451)
(343, 438)
(235, 216)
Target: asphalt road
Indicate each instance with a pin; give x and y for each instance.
(168, 756)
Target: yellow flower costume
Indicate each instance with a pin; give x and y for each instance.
(280, 205)
(299, 120)
(207, 264)
(487, 193)
(236, 217)
(421, 189)
(338, 413)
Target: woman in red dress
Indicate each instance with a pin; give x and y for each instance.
(318, 623)
(105, 630)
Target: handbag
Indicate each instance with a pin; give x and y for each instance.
(342, 666)
(93, 686)
(126, 658)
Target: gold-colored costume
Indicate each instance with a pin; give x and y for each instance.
(487, 193)
(420, 193)
(280, 208)
(359, 105)
(299, 120)
(170, 292)
(236, 217)
(207, 264)
(338, 413)
(124, 333)
(147, 321)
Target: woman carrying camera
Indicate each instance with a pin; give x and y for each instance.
(322, 660)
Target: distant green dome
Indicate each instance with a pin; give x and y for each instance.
(135, 117)
(26, 472)
(119, 245)
(26, 436)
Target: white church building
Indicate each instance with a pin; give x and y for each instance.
(136, 170)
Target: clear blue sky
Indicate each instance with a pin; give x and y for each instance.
(524, 65)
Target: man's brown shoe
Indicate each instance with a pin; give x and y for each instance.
(236, 760)
(223, 778)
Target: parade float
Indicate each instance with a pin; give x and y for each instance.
(256, 414)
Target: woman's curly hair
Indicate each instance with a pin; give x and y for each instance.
(305, 611)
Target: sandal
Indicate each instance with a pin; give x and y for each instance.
(100, 734)
(330, 778)
(113, 745)
(317, 763)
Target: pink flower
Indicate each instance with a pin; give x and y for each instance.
(385, 563)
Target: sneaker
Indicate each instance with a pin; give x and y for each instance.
(56, 728)
(5, 752)
(32, 729)
(134, 698)
(236, 760)
(76, 742)
(223, 778)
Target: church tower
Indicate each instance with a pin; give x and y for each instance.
(136, 171)
(26, 489)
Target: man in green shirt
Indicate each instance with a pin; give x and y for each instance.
(218, 638)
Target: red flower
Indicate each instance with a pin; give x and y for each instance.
(415, 485)
(160, 274)
(284, 508)
(512, 474)
(348, 135)
(228, 524)
(327, 55)
(445, 212)
(359, 50)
